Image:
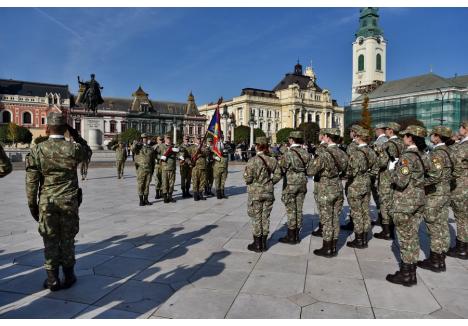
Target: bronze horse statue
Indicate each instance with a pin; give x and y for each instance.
(90, 94)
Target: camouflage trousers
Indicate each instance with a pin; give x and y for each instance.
(259, 213)
(120, 167)
(185, 176)
(168, 180)
(436, 218)
(386, 199)
(407, 227)
(375, 192)
(220, 177)
(198, 179)
(459, 203)
(84, 169)
(143, 181)
(359, 206)
(329, 212)
(58, 226)
(294, 203)
(157, 176)
(209, 175)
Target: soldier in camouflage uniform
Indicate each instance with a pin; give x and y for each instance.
(185, 167)
(379, 131)
(209, 178)
(144, 162)
(388, 152)
(198, 171)
(437, 182)
(327, 167)
(459, 193)
(5, 164)
(407, 175)
(316, 152)
(120, 158)
(220, 172)
(294, 165)
(361, 161)
(168, 166)
(349, 149)
(85, 163)
(157, 167)
(54, 197)
(261, 173)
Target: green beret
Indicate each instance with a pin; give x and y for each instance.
(296, 134)
(394, 126)
(415, 131)
(442, 130)
(55, 119)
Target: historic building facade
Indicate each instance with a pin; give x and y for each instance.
(28, 103)
(295, 99)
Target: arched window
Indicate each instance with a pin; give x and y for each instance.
(317, 119)
(361, 62)
(378, 61)
(27, 118)
(112, 126)
(6, 117)
(309, 117)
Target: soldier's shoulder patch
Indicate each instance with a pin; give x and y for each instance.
(405, 162)
(404, 170)
(437, 162)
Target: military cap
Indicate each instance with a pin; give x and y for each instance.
(261, 141)
(296, 134)
(362, 132)
(442, 130)
(355, 128)
(55, 119)
(143, 135)
(380, 126)
(333, 131)
(323, 131)
(394, 126)
(415, 131)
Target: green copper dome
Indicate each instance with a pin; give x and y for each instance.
(369, 23)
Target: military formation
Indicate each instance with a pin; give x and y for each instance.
(408, 182)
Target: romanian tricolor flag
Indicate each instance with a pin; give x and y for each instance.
(215, 130)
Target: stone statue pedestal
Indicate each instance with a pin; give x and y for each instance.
(93, 132)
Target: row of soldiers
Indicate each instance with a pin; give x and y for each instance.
(410, 184)
(199, 166)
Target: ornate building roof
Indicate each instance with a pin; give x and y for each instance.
(369, 23)
(26, 88)
(304, 82)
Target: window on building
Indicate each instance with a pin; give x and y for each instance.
(6, 116)
(123, 126)
(269, 127)
(378, 60)
(261, 125)
(78, 125)
(27, 118)
(199, 130)
(276, 127)
(361, 62)
(309, 117)
(317, 119)
(43, 121)
(239, 113)
(113, 128)
(190, 130)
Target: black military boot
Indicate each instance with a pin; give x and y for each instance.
(69, 277)
(334, 244)
(52, 282)
(326, 250)
(297, 235)
(165, 198)
(218, 194)
(170, 199)
(223, 195)
(385, 234)
(413, 278)
(210, 192)
(158, 194)
(433, 263)
(365, 238)
(142, 202)
(349, 226)
(256, 245)
(196, 196)
(459, 251)
(264, 242)
(358, 241)
(378, 221)
(319, 231)
(290, 237)
(187, 193)
(403, 276)
(145, 198)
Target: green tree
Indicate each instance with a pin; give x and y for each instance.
(311, 131)
(4, 134)
(13, 132)
(282, 135)
(241, 133)
(129, 135)
(366, 119)
(24, 135)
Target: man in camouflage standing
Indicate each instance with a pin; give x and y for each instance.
(459, 193)
(54, 197)
(198, 160)
(209, 168)
(120, 158)
(85, 163)
(5, 164)
(376, 145)
(261, 173)
(168, 166)
(144, 162)
(220, 171)
(185, 167)
(316, 152)
(294, 165)
(390, 151)
(437, 187)
(157, 167)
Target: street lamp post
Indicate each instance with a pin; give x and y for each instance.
(442, 105)
(225, 117)
(252, 125)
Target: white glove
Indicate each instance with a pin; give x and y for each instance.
(391, 165)
(396, 159)
(181, 157)
(217, 158)
(175, 150)
(163, 158)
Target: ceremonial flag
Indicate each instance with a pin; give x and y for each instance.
(215, 130)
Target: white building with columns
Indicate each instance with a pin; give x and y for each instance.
(297, 98)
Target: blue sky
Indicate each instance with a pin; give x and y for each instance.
(217, 52)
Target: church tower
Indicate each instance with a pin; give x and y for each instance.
(369, 54)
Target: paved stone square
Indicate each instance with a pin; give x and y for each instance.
(189, 260)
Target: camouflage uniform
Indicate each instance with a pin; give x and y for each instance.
(319, 149)
(198, 171)
(53, 199)
(168, 167)
(120, 158)
(349, 149)
(260, 174)
(144, 161)
(5, 164)
(220, 172)
(157, 170)
(459, 196)
(376, 145)
(185, 169)
(85, 164)
(209, 178)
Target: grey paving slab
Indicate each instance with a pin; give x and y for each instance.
(334, 267)
(219, 278)
(377, 270)
(30, 282)
(320, 310)
(253, 306)
(122, 267)
(302, 299)
(236, 260)
(443, 314)
(386, 295)
(10, 271)
(147, 251)
(105, 312)
(274, 284)
(270, 262)
(451, 279)
(396, 314)
(170, 271)
(453, 300)
(44, 308)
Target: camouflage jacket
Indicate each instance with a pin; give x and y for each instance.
(185, 150)
(5, 164)
(459, 155)
(200, 159)
(222, 164)
(393, 148)
(439, 171)
(51, 171)
(261, 177)
(169, 164)
(120, 153)
(294, 165)
(360, 161)
(352, 145)
(325, 168)
(157, 153)
(408, 181)
(144, 156)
